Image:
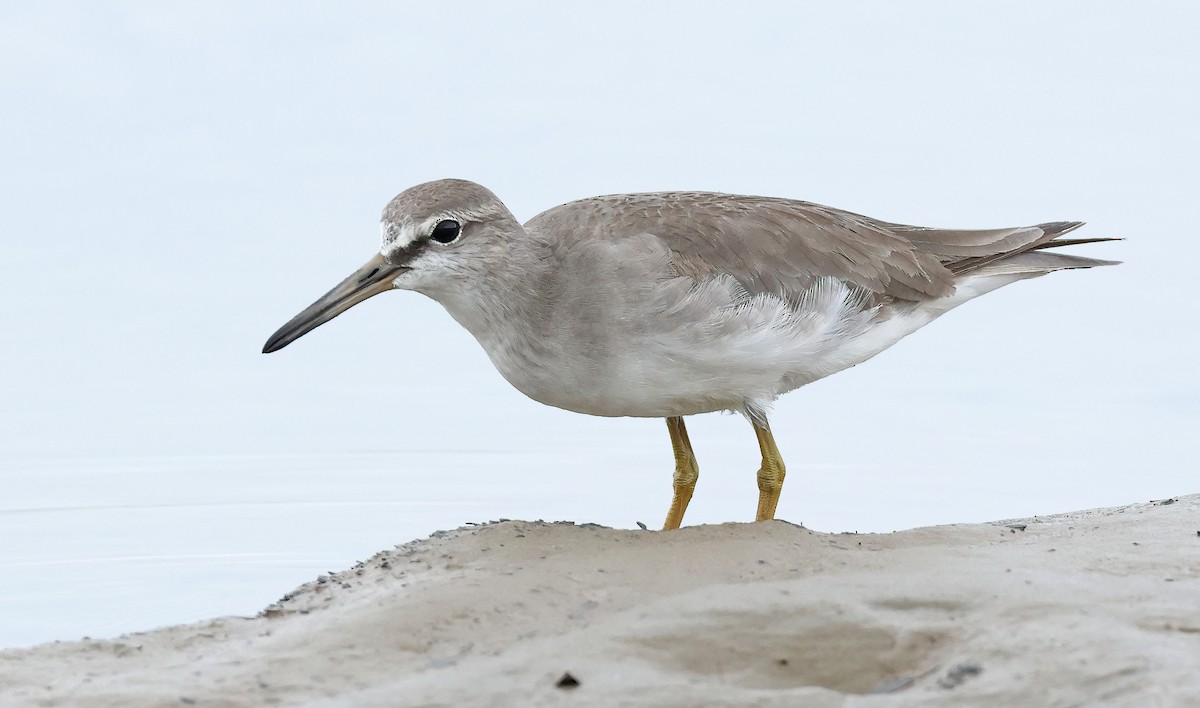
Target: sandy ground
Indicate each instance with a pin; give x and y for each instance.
(1094, 607)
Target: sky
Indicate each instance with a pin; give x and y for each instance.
(179, 179)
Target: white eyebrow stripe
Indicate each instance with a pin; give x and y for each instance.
(397, 236)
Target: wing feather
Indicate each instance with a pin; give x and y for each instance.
(782, 247)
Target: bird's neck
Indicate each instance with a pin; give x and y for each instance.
(507, 308)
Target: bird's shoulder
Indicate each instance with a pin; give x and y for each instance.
(768, 244)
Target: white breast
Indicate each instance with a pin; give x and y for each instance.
(692, 349)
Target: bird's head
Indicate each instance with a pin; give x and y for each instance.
(436, 236)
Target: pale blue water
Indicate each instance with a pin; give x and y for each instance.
(100, 547)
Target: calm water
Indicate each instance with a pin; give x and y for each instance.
(98, 547)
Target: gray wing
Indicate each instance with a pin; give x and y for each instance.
(782, 246)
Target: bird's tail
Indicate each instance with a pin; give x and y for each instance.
(983, 261)
(1029, 258)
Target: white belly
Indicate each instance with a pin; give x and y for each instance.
(674, 347)
(711, 348)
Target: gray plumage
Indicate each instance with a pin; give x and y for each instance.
(780, 246)
(676, 303)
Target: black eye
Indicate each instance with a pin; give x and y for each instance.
(446, 231)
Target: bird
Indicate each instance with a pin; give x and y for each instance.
(671, 304)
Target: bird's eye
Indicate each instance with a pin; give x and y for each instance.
(446, 231)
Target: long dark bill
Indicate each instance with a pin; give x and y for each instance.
(373, 278)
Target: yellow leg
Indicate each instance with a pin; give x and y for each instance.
(770, 475)
(686, 472)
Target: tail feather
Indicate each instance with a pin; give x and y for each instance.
(1046, 238)
(955, 245)
(1000, 257)
(1057, 243)
(1037, 262)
